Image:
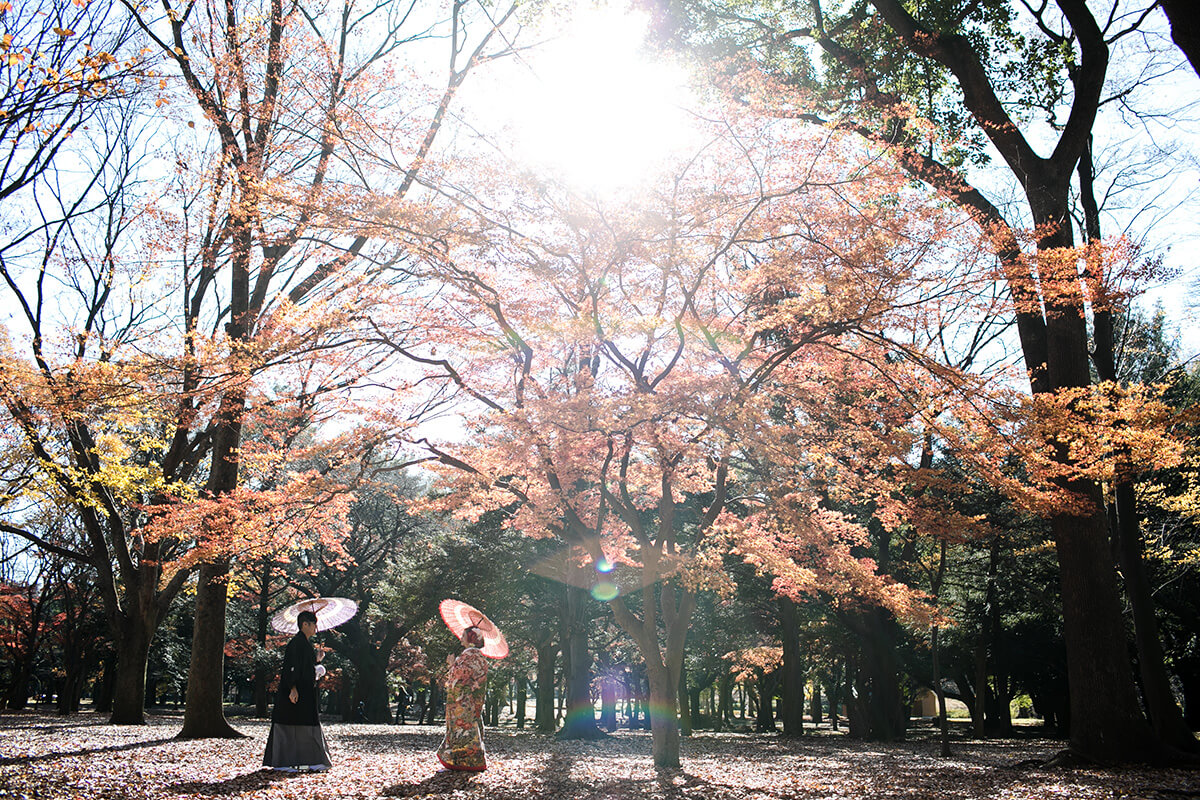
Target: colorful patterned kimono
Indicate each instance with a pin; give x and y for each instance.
(463, 746)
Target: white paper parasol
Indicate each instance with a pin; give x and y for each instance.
(330, 611)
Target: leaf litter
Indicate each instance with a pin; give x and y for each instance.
(84, 758)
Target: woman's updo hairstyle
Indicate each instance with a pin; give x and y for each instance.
(473, 637)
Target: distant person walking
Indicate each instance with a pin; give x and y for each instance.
(296, 741)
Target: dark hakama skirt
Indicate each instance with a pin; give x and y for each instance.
(296, 746)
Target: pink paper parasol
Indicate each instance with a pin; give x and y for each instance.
(330, 611)
(459, 616)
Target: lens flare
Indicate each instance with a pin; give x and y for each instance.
(605, 591)
(604, 565)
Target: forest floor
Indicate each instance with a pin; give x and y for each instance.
(84, 758)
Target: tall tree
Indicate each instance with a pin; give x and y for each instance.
(283, 88)
(956, 62)
(620, 366)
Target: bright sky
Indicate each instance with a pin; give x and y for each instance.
(588, 104)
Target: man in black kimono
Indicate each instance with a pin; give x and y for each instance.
(296, 741)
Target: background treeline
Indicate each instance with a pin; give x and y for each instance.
(1003, 640)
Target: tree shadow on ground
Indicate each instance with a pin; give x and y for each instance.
(557, 781)
(382, 742)
(237, 785)
(83, 751)
(442, 782)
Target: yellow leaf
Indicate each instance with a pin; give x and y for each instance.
(64, 32)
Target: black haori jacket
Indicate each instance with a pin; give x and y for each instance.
(300, 670)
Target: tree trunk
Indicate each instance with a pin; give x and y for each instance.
(1189, 678)
(1184, 16)
(724, 714)
(522, 699)
(370, 688)
(1165, 714)
(879, 678)
(664, 724)
(581, 714)
(833, 692)
(129, 674)
(815, 710)
(943, 722)
(685, 713)
(764, 716)
(544, 712)
(204, 714)
(608, 702)
(791, 674)
(102, 689)
(262, 676)
(17, 695)
(855, 691)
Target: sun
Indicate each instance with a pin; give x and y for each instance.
(592, 105)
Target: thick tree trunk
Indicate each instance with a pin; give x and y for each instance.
(879, 678)
(129, 674)
(664, 722)
(370, 687)
(544, 713)
(1098, 671)
(764, 715)
(580, 721)
(72, 686)
(1107, 724)
(17, 695)
(791, 674)
(1165, 714)
(204, 716)
(1184, 16)
(999, 707)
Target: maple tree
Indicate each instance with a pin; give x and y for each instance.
(698, 372)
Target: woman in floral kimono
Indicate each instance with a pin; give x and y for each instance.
(462, 749)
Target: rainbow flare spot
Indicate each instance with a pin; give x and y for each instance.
(605, 591)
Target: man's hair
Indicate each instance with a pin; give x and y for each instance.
(306, 616)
